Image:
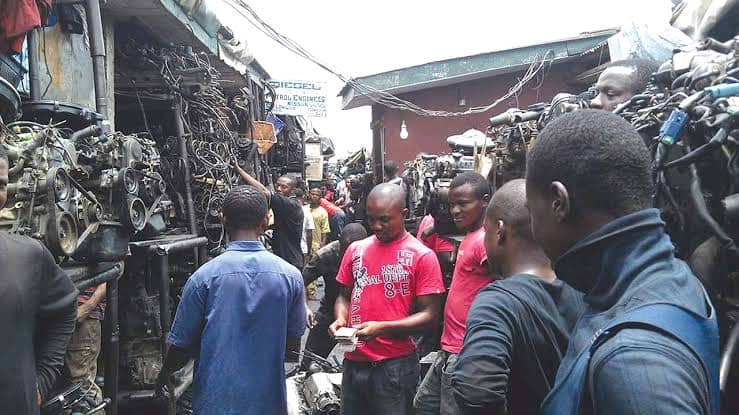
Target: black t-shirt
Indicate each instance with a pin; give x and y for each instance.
(37, 318)
(325, 263)
(518, 329)
(287, 229)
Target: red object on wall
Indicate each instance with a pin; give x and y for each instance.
(428, 135)
(17, 17)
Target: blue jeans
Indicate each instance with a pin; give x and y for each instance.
(379, 388)
(336, 223)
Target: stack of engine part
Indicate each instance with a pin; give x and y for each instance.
(501, 156)
(83, 193)
(216, 129)
(316, 391)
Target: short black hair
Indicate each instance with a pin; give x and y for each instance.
(244, 207)
(391, 168)
(644, 69)
(509, 205)
(598, 156)
(299, 193)
(353, 232)
(479, 183)
(3, 153)
(290, 179)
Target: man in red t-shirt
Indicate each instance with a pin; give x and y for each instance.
(382, 277)
(336, 219)
(469, 194)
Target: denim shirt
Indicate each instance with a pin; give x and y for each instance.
(235, 314)
(628, 263)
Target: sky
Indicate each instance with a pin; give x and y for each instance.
(365, 37)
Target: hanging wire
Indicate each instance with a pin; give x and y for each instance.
(382, 97)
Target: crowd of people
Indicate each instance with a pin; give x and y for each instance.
(566, 296)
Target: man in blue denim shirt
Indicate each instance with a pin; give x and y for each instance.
(589, 188)
(235, 316)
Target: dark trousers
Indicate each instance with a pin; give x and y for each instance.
(319, 340)
(435, 395)
(379, 388)
(336, 224)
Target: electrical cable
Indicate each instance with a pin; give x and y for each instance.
(382, 97)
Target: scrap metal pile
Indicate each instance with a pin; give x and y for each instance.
(216, 129)
(85, 192)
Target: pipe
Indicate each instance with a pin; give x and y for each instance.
(86, 132)
(34, 57)
(112, 354)
(165, 317)
(696, 195)
(728, 356)
(202, 255)
(95, 280)
(172, 247)
(181, 138)
(97, 52)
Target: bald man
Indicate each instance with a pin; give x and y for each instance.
(383, 276)
(518, 327)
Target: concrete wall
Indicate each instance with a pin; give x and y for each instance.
(429, 134)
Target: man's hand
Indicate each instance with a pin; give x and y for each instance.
(162, 387)
(83, 312)
(311, 317)
(336, 325)
(38, 395)
(370, 330)
(237, 167)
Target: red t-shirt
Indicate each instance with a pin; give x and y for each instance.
(434, 241)
(330, 207)
(471, 274)
(386, 279)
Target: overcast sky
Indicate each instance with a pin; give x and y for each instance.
(366, 37)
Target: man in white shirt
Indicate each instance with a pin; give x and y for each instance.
(308, 224)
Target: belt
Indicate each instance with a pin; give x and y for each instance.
(376, 363)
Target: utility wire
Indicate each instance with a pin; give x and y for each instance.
(382, 97)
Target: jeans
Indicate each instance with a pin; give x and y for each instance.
(435, 395)
(82, 355)
(336, 223)
(319, 340)
(379, 388)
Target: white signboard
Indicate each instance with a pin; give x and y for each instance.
(313, 161)
(306, 98)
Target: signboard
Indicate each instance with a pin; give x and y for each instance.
(306, 98)
(313, 162)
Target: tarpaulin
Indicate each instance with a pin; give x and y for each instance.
(17, 18)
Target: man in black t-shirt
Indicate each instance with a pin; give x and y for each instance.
(37, 315)
(518, 327)
(288, 217)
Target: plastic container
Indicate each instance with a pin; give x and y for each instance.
(11, 70)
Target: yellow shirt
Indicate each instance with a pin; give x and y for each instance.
(320, 218)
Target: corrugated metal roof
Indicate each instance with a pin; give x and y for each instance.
(170, 24)
(468, 68)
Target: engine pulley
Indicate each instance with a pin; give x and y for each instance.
(61, 235)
